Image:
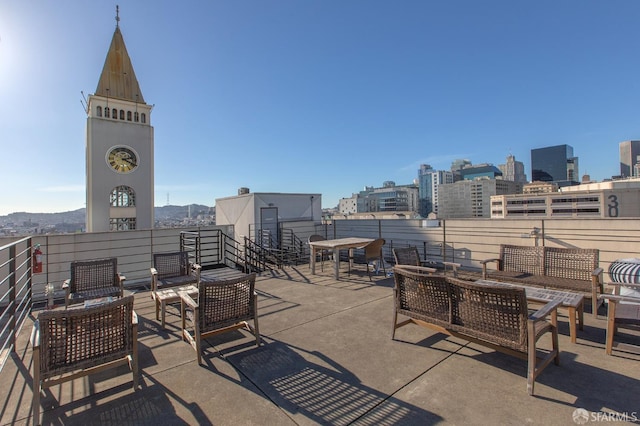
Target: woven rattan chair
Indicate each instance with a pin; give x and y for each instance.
(72, 343)
(222, 306)
(93, 279)
(622, 312)
(493, 316)
(373, 252)
(172, 270)
(410, 256)
(323, 253)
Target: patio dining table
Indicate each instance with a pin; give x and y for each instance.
(336, 245)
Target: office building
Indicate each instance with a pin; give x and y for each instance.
(428, 182)
(619, 198)
(472, 198)
(630, 159)
(513, 170)
(555, 164)
(389, 198)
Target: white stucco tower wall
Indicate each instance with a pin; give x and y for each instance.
(119, 163)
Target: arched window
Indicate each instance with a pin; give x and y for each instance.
(114, 113)
(122, 223)
(106, 112)
(128, 115)
(99, 111)
(123, 196)
(143, 117)
(136, 116)
(121, 114)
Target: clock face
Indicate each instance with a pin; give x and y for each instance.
(122, 159)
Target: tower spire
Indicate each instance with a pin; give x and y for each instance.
(117, 16)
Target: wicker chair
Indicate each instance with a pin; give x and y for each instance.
(92, 279)
(222, 306)
(373, 251)
(172, 270)
(410, 256)
(623, 312)
(493, 316)
(72, 343)
(323, 253)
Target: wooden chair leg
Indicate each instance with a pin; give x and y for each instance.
(36, 387)
(531, 362)
(611, 326)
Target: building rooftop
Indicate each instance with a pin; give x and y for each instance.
(327, 357)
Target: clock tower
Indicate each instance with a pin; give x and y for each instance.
(119, 147)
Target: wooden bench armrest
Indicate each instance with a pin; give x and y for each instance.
(495, 259)
(630, 285)
(418, 269)
(597, 273)
(618, 298)
(545, 311)
(35, 335)
(187, 299)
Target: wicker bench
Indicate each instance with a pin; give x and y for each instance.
(493, 316)
(555, 268)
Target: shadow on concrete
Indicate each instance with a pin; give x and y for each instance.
(307, 383)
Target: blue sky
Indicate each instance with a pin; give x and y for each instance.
(316, 96)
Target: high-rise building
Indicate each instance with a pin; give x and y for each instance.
(119, 147)
(630, 159)
(428, 181)
(555, 164)
(389, 198)
(513, 170)
(472, 198)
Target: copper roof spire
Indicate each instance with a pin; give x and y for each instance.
(118, 80)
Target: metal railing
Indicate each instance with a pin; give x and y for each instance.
(15, 293)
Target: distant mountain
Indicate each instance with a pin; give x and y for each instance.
(178, 212)
(25, 219)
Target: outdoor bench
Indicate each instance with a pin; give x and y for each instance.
(556, 268)
(493, 316)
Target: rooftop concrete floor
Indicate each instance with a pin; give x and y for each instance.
(327, 358)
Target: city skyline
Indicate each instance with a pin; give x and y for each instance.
(316, 97)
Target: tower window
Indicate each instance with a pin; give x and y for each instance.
(121, 114)
(106, 112)
(128, 115)
(123, 196)
(143, 117)
(99, 111)
(136, 117)
(114, 113)
(122, 224)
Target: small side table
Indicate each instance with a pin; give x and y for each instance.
(171, 295)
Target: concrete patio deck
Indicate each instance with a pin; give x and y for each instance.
(327, 358)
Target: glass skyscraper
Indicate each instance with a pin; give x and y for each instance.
(555, 164)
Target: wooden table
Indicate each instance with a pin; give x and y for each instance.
(574, 302)
(171, 295)
(336, 245)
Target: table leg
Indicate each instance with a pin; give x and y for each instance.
(164, 308)
(312, 261)
(581, 315)
(572, 323)
(336, 265)
(554, 318)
